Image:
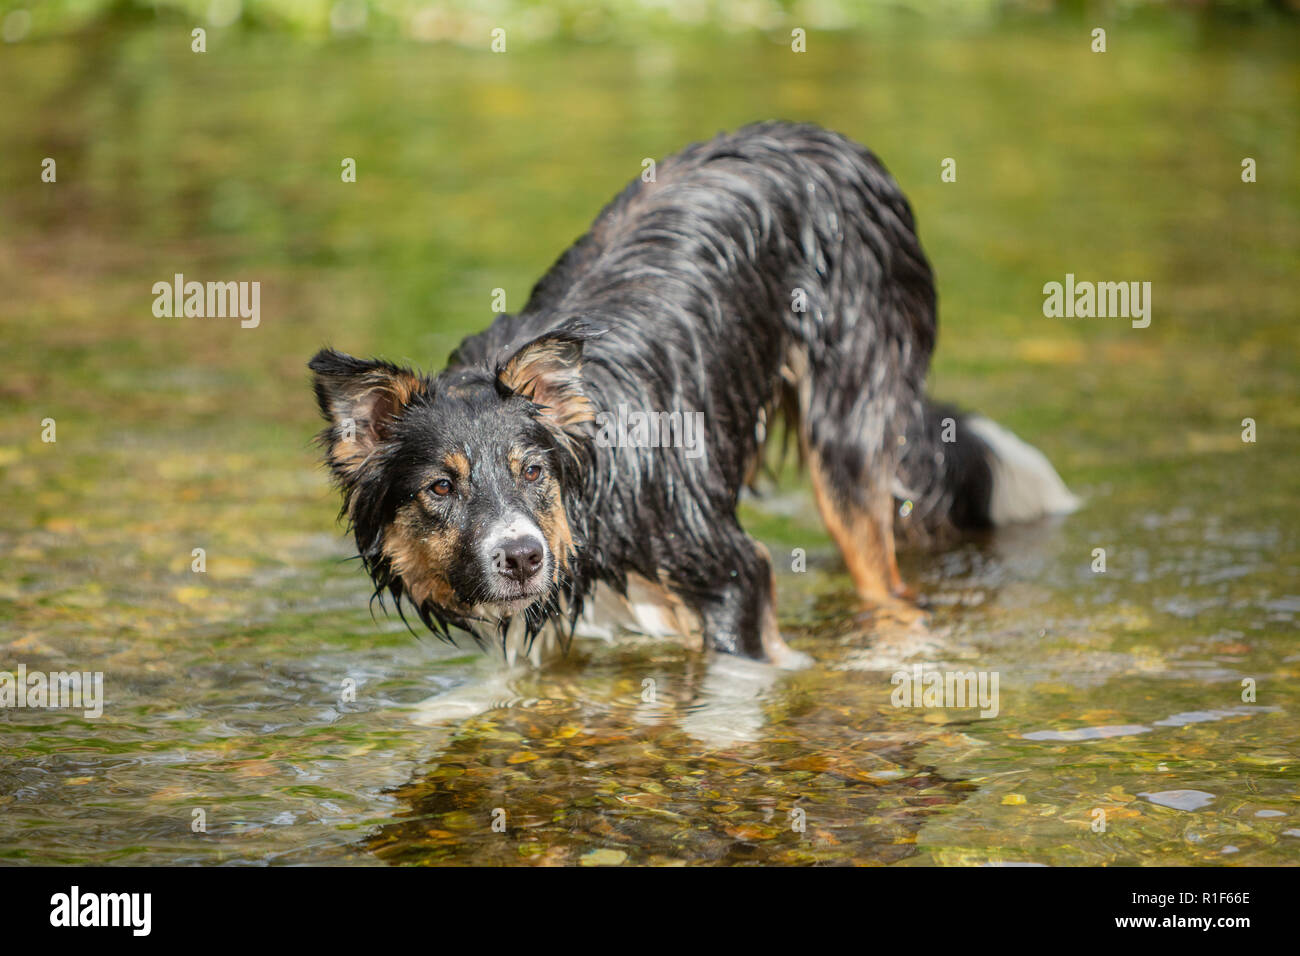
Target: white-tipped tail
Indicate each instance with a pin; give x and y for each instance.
(1025, 485)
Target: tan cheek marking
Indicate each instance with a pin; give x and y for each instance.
(422, 559)
(554, 524)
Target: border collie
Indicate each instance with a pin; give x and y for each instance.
(770, 276)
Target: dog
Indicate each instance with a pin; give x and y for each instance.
(767, 276)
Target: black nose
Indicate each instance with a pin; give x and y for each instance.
(519, 558)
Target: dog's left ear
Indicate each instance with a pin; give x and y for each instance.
(548, 372)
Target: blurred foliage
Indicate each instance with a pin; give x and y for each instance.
(470, 22)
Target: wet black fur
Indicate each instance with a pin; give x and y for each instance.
(681, 298)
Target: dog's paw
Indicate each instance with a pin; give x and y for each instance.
(788, 659)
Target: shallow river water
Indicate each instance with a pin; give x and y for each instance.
(1146, 714)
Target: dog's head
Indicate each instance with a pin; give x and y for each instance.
(458, 488)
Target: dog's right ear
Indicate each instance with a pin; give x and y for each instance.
(361, 400)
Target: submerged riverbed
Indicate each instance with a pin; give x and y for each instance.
(260, 696)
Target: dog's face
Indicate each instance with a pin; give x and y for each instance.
(455, 486)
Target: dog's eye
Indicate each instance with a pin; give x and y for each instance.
(441, 487)
(532, 472)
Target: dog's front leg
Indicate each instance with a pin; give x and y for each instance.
(740, 616)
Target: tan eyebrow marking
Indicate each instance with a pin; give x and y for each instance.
(457, 464)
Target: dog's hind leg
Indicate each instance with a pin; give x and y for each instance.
(854, 404)
(861, 522)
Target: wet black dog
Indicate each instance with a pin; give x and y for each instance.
(594, 445)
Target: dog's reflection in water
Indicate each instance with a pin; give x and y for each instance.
(725, 708)
(643, 753)
(718, 699)
(719, 702)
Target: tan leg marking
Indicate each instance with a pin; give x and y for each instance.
(865, 539)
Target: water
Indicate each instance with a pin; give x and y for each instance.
(1121, 694)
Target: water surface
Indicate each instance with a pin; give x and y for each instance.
(1120, 692)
